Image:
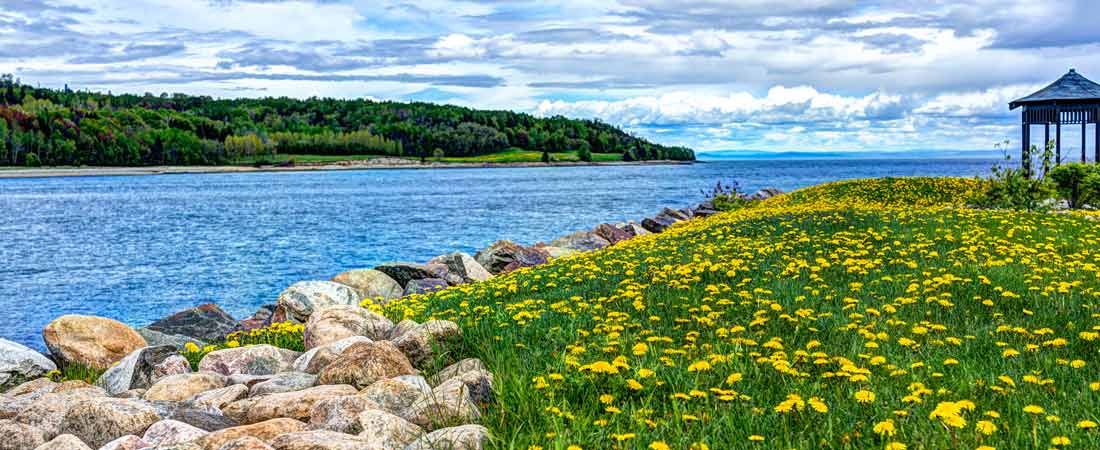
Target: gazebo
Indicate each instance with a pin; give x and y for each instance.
(1071, 100)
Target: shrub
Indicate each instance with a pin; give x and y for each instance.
(1012, 187)
(32, 160)
(1070, 181)
(545, 157)
(584, 154)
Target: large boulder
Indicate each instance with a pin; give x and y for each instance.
(47, 412)
(98, 421)
(364, 363)
(458, 368)
(402, 327)
(371, 284)
(283, 382)
(265, 431)
(246, 443)
(128, 442)
(95, 342)
(321, 440)
(386, 429)
(157, 339)
(312, 361)
(581, 241)
(204, 322)
(611, 233)
(168, 432)
(464, 266)
(506, 256)
(18, 436)
(143, 367)
(463, 437)
(634, 229)
(398, 393)
(339, 413)
(184, 386)
(656, 224)
(19, 364)
(250, 360)
(301, 299)
(64, 442)
(421, 342)
(403, 273)
(218, 398)
(425, 285)
(200, 416)
(295, 405)
(766, 193)
(448, 404)
(334, 323)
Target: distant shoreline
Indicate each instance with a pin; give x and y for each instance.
(379, 163)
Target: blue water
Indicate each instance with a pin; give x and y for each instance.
(139, 248)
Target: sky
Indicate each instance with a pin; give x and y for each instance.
(762, 75)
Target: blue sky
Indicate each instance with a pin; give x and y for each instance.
(813, 75)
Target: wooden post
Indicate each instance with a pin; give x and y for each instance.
(1058, 136)
(1046, 135)
(1025, 149)
(1084, 122)
(1096, 138)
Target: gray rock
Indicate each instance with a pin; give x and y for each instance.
(19, 363)
(464, 437)
(157, 339)
(766, 193)
(321, 440)
(64, 442)
(421, 342)
(464, 266)
(396, 394)
(201, 416)
(506, 256)
(98, 421)
(403, 273)
(304, 297)
(218, 398)
(387, 430)
(611, 233)
(141, 368)
(204, 322)
(128, 442)
(47, 412)
(313, 361)
(425, 285)
(371, 284)
(245, 443)
(340, 413)
(168, 432)
(458, 368)
(448, 404)
(183, 386)
(402, 327)
(634, 229)
(295, 405)
(581, 241)
(283, 382)
(250, 360)
(18, 436)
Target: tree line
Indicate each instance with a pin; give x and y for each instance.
(41, 126)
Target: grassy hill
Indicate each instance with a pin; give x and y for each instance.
(853, 315)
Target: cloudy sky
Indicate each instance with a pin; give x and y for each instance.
(809, 75)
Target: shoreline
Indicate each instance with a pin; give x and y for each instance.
(378, 163)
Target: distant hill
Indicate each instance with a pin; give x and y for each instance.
(932, 154)
(65, 127)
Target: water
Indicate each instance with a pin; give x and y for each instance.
(139, 248)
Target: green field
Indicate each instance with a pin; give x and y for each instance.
(514, 156)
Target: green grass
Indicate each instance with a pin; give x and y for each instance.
(513, 156)
(882, 285)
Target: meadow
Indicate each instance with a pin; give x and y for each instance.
(861, 314)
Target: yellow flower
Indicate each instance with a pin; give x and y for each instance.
(895, 446)
(756, 438)
(885, 428)
(1059, 440)
(634, 385)
(607, 398)
(864, 396)
(191, 347)
(1034, 409)
(699, 366)
(658, 445)
(1086, 424)
(985, 447)
(232, 344)
(985, 427)
(640, 349)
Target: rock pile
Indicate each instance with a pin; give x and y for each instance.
(358, 385)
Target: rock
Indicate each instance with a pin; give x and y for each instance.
(478, 382)
(458, 368)
(183, 386)
(250, 360)
(98, 421)
(364, 363)
(264, 431)
(18, 436)
(64, 442)
(766, 193)
(321, 440)
(167, 432)
(506, 256)
(128, 442)
(218, 398)
(141, 368)
(19, 363)
(420, 342)
(295, 405)
(301, 299)
(157, 339)
(656, 226)
(94, 342)
(201, 416)
(401, 328)
(464, 266)
(402, 272)
(339, 413)
(448, 404)
(283, 382)
(135, 394)
(425, 285)
(263, 316)
(387, 430)
(334, 323)
(674, 214)
(581, 241)
(396, 394)
(246, 443)
(204, 322)
(42, 385)
(183, 446)
(465, 437)
(371, 284)
(554, 252)
(316, 359)
(47, 412)
(248, 380)
(635, 230)
(610, 233)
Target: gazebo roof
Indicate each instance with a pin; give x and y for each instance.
(1071, 88)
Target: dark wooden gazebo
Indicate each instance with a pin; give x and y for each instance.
(1071, 100)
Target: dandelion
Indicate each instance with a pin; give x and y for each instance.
(864, 396)
(1034, 409)
(658, 445)
(756, 438)
(885, 428)
(1059, 441)
(985, 427)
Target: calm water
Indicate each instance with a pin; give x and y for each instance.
(138, 248)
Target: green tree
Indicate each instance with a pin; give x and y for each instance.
(546, 157)
(438, 154)
(585, 154)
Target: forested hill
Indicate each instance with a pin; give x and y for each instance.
(66, 127)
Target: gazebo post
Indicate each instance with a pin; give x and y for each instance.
(1096, 138)
(1046, 135)
(1084, 134)
(1058, 136)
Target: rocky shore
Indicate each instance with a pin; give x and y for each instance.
(360, 381)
